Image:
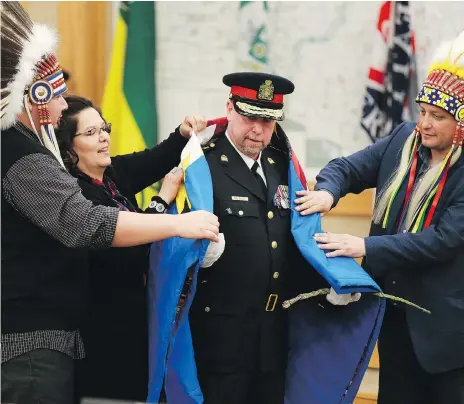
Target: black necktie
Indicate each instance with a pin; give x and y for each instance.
(259, 179)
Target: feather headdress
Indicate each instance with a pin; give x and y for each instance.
(443, 88)
(30, 70)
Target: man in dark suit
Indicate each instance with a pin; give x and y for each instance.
(237, 321)
(415, 248)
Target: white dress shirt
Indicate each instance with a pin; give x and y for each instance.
(249, 161)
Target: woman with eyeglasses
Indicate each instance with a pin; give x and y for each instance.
(115, 332)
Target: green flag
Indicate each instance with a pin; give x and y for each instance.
(253, 40)
(129, 101)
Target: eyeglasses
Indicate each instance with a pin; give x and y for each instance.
(96, 131)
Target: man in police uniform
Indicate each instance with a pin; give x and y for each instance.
(238, 325)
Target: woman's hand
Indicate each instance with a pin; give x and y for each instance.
(191, 123)
(171, 185)
(197, 225)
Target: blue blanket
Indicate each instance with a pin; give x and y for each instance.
(330, 346)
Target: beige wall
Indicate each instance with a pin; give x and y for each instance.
(85, 30)
(44, 12)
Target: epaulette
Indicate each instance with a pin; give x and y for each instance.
(208, 147)
(211, 145)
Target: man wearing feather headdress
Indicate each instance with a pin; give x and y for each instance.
(416, 243)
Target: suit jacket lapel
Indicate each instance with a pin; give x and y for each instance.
(239, 171)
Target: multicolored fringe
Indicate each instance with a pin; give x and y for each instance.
(412, 167)
(429, 202)
(427, 205)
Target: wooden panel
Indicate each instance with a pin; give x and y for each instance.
(354, 205)
(365, 398)
(374, 362)
(83, 30)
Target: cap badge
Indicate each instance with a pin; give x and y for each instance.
(266, 91)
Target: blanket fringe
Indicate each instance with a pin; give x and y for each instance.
(325, 291)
